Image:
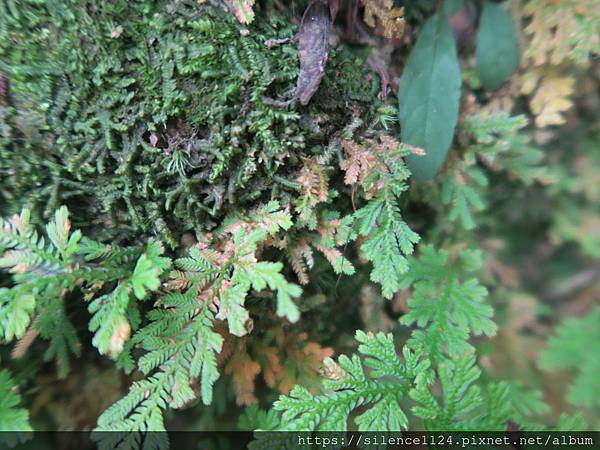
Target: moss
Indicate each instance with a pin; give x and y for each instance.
(153, 113)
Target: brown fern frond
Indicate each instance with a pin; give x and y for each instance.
(25, 342)
(314, 181)
(301, 259)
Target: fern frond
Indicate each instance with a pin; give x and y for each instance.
(445, 304)
(16, 309)
(499, 139)
(14, 420)
(109, 321)
(25, 250)
(45, 274)
(389, 238)
(379, 383)
(568, 350)
(181, 346)
(179, 341)
(463, 193)
(460, 396)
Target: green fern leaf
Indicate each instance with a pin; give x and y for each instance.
(568, 349)
(16, 309)
(389, 240)
(109, 320)
(464, 195)
(349, 387)
(445, 306)
(14, 420)
(460, 396)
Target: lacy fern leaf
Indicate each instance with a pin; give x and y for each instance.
(568, 350)
(445, 305)
(379, 382)
(109, 320)
(211, 282)
(45, 273)
(14, 420)
(389, 238)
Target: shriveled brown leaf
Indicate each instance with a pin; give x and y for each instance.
(313, 46)
(121, 334)
(25, 342)
(463, 27)
(243, 371)
(301, 258)
(384, 14)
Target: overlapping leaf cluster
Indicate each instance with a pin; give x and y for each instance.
(448, 308)
(45, 275)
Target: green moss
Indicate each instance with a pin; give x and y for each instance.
(154, 115)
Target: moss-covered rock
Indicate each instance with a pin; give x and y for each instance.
(153, 113)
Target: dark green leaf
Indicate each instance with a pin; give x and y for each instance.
(429, 97)
(498, 53)
(453, 6)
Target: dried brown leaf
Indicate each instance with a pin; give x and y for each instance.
(313, 43)
(313, 47)
(383, 13)
(243, 371)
